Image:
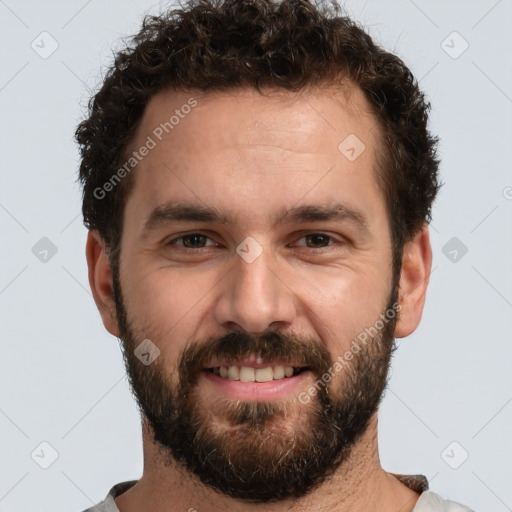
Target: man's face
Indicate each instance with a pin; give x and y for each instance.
(254, 252)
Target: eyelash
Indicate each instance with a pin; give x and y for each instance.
(332, 241)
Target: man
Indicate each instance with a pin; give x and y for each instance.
(258, 181)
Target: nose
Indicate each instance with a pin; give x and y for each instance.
(255, 297)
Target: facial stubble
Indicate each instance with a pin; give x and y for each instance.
(258, 451)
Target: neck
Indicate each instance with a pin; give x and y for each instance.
(359, 485)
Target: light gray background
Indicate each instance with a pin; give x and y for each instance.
(62, 377)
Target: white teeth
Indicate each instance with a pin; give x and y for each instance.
(233, 373)
(264, 374)
(249, 374)
(278, 372)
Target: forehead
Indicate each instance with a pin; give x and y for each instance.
(243, 116)
(240, 149)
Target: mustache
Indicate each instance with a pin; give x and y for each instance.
(237, 345)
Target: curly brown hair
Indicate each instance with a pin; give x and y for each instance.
(291, 44)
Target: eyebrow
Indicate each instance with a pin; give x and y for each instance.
(178, 211)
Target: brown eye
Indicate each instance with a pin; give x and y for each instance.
(317, 240)
(192, 241)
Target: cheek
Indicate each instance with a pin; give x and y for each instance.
(341, 304)
(165, 304)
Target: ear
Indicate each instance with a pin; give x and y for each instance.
(100, 280)
(414, 278)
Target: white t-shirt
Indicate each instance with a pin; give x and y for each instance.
(428, 501)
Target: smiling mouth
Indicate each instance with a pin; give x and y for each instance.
(260, 374)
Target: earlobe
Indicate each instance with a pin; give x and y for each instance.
(100, 280)
(414, 279)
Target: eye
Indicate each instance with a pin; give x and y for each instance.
(198, 241)
(317, 241)
(192, 241)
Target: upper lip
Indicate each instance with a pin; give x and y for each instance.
(253, 362)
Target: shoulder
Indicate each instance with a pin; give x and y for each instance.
(431, 502)
(108, 504)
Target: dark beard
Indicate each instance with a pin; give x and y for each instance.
(266, 451)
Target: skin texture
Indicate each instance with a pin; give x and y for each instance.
(253, 157)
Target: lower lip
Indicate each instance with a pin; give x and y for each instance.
(257, 391)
